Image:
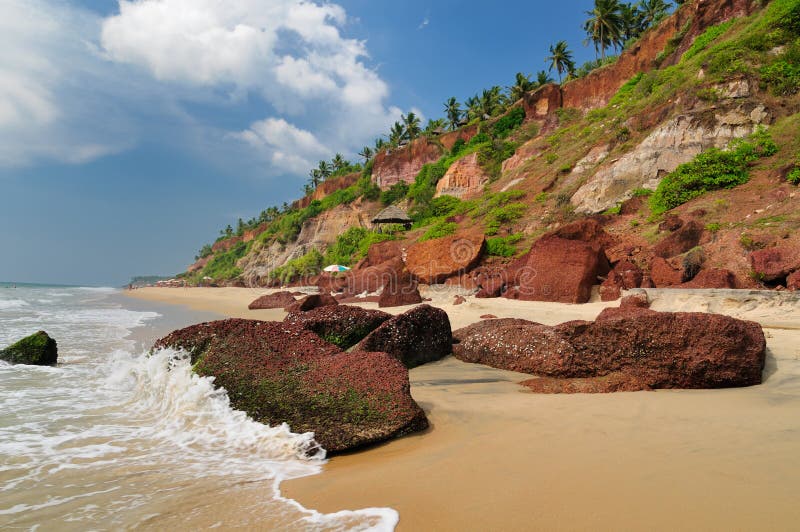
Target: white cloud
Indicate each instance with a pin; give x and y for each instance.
(291, 53)
(290, 148)
(51, 85)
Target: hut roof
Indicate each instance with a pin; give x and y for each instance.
(391, 215)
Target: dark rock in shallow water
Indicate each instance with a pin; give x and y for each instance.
(342, 325)
(629, 348)
(415, 337)
(37, 349)
(278, 372)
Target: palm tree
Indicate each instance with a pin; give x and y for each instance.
(604, 26)
(412, 125)
(543, 78)
(396, 134)
(560, 58)
(631, 19)
(315, 177)
(339, 162)
(379, 144)
(522, 84)
(473, 107)
(324, 169)
(452, 110)
(366, 153)
(652, 11)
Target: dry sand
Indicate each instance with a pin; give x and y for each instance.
(500, 458)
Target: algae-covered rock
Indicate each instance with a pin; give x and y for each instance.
(279, 372)
(37, 349)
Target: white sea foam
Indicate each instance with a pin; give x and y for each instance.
(8, 304)
(106, 436)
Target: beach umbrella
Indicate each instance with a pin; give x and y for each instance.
(336, 268)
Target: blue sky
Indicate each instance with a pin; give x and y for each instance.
(129, 135)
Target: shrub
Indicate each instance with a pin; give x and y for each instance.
(508, 123)
(500, 216)
(713, 227)
(612, 211)
(502, 246)
(713, 169)
(307, 265)
(707, 37)
(541, 197)
(395, 193)
(424, 187)
(440, 229)
(567, 114)
(367, 188)
(625, 92)
(458, 146)
(793, 176)
(223, 265)
(641, 192)
(491, 157)
(782, 78)
(480, 138)
(550, 158)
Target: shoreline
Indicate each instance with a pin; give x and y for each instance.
(500, 457)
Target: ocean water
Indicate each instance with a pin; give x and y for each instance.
(112, 438)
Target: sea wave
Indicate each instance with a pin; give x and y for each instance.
(11, 304)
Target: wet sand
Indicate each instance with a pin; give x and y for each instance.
(500, 458)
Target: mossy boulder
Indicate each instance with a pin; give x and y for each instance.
(37, 349)
(279, 372)
(341, 325)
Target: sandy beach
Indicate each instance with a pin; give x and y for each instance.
(498, 457)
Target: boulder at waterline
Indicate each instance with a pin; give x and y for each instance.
(642, 348)
(341, 325)
(415, 337)
(278, 372)
(400, 290)
(37, 349)
(311, 302)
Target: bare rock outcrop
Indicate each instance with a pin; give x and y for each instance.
(403, 164)
(433, 261)
(464, 179)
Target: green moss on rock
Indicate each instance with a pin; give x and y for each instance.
(37, 349)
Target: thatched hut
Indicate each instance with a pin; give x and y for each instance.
(391, 215)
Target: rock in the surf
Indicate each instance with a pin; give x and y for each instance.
(37, 349)
(279, 372)
(416, 337)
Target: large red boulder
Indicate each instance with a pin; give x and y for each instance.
(381, 252)
(341, 325)
(680, 241)
(416, 337)
(663, 274)
(713, 278)
(624, 276)
(649, 349)
(370, 279)
(270, 301)
(311, 302)
(399, 290)
(281, 373)
(773, 264)
(435, 260)
(559, 270)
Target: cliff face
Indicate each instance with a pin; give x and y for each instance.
(318, 233)
(464, 179)
(403, 164)
(327, 188)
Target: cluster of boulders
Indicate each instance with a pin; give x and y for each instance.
(298, 372)
(627, 348)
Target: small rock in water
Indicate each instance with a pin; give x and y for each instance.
(37, 349)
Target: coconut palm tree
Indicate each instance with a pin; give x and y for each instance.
(411, 124)
(396, 134)
(339, 162)
(522, 84)
(473, 107)
(366, 153)
(543, 78)
(452, 110)
(631, 19)
(604, 26)
(560, 59)
(652, 11)
(324, 169)
(315, 177)
(434, 125)
(379, 144)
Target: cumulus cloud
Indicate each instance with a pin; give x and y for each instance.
(290, 147)
(291, 53)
